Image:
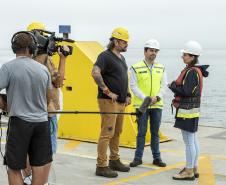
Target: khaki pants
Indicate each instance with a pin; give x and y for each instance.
(111, 128)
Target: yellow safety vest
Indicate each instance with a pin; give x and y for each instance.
(149, 82)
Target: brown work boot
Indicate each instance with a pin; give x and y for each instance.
(196, 172)
(118, 166)
(185, 174)
(106, 172)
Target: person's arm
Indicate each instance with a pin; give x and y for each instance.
(96, 74)
(133, 85)
(61, 67)
(4, 82)
(49, 92)
(128, 97)
(4, 77)
(58, 74)
(49, 95)
(190, 82)
(163, 87)
(3, 103)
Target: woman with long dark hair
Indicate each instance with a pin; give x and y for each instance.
(187, 91)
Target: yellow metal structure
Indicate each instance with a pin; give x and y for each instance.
(80, 94)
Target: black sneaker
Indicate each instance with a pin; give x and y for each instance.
(159, 162)
(135, 163)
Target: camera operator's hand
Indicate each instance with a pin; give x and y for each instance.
(64, 48)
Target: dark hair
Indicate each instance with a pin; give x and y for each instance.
(22, 41)
(145, 49)
(111, 44)
(194, 61)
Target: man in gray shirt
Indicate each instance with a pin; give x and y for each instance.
(28, 85)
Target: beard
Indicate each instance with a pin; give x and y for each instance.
(152, 57)
(123, 49)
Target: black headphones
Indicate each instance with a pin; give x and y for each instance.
(33, 47)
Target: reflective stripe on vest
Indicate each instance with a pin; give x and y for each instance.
(181, 80)
(188, 113)
(148, 82)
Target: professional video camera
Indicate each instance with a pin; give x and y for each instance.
(48, 43)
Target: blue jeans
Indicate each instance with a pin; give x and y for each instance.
(155, 121)
(53, 129)
(192, 148)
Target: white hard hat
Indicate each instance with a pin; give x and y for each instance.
(152, 43)
(192, 47)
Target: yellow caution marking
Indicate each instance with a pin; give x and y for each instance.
(71, 145)
(219, 157)
(145, 174)
(180, 152)
(206, 172)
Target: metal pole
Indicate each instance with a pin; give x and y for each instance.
(90, 112)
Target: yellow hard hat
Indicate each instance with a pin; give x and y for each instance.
(36, 25)
(120, 33)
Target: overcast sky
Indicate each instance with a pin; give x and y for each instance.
(172, 22)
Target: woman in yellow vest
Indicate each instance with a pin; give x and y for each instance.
(148, 78)
(187, 90)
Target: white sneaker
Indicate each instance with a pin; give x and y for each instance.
(27, 180)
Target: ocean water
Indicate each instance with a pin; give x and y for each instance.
(213, 108)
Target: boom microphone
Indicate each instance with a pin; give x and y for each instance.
(144, 106)
(141, 110)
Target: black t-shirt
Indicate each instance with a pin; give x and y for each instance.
(114, 73)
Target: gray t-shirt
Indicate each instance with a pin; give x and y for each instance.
(26, 82)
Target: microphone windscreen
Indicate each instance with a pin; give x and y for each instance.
(144, 106)
(4, 97)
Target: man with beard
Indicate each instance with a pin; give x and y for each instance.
(110, 74)
(148, 78)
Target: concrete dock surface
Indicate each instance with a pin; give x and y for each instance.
(75, 161)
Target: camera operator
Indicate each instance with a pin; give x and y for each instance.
(57, 76)
(28, 86)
